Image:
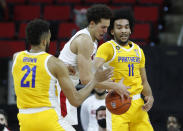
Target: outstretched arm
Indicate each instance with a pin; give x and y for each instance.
(75, 97)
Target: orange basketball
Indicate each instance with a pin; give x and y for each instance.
(115, 104)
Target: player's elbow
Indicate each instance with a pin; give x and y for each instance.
(76, 103)
(84, 81)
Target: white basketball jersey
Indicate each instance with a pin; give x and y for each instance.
(69, 58)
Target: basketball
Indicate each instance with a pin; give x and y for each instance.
(115, 104)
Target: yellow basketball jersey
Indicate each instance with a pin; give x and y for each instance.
(126, 62)
(34, 84)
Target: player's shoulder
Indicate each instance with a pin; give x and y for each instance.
(55, 61)
(136, 45)
(107, 44)
(15, 54)
(83, 38)
(55, 65)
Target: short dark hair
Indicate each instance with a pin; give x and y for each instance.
(97, 12)
(4, 114)
(123, 13)
(34, 31)
(99, 109)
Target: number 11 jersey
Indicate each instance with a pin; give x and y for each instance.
(34, 85)
(127, 62)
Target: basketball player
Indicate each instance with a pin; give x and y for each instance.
(128, 61)
(35, 74)
(84, 43)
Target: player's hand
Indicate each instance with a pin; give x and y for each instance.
(103, 74)
(149, 102)
(122, 90)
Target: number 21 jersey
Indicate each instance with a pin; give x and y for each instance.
(34, 84)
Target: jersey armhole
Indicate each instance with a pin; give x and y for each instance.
(46, 67)
(114, 53)
(14, 61)
(140, 54)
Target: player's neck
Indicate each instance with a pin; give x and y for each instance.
(91, 31)
(121, 43)
(100, 97)
(36, 49)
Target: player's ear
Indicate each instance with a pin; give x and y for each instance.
(92, 23)
(44, 42)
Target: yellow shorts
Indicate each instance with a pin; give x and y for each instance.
(135, 119)
(47, 120)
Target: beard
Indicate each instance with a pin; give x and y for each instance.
(119, 41)
(122, 42)
(100, 93)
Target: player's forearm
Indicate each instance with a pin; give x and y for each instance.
(85, 79)
(85, 76)
(146, 89)
(108, 85)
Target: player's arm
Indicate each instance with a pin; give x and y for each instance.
(147, 92)
(84, 49)
(75, 97)
(104, 54)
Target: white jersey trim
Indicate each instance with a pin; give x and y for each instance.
(52, 88)
(33, 110)
(61, 121)
(114, 55)
(139, 52)
(125, 48)
(39, 53)
(14, 62)
(47, 70)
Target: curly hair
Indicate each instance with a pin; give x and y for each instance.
(97, 12)
(125, 13)
(34, 31)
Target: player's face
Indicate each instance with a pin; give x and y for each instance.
(3, 120)
(121, 31)
(101, 28)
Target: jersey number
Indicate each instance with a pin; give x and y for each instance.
(27, 83)
(131, 68)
